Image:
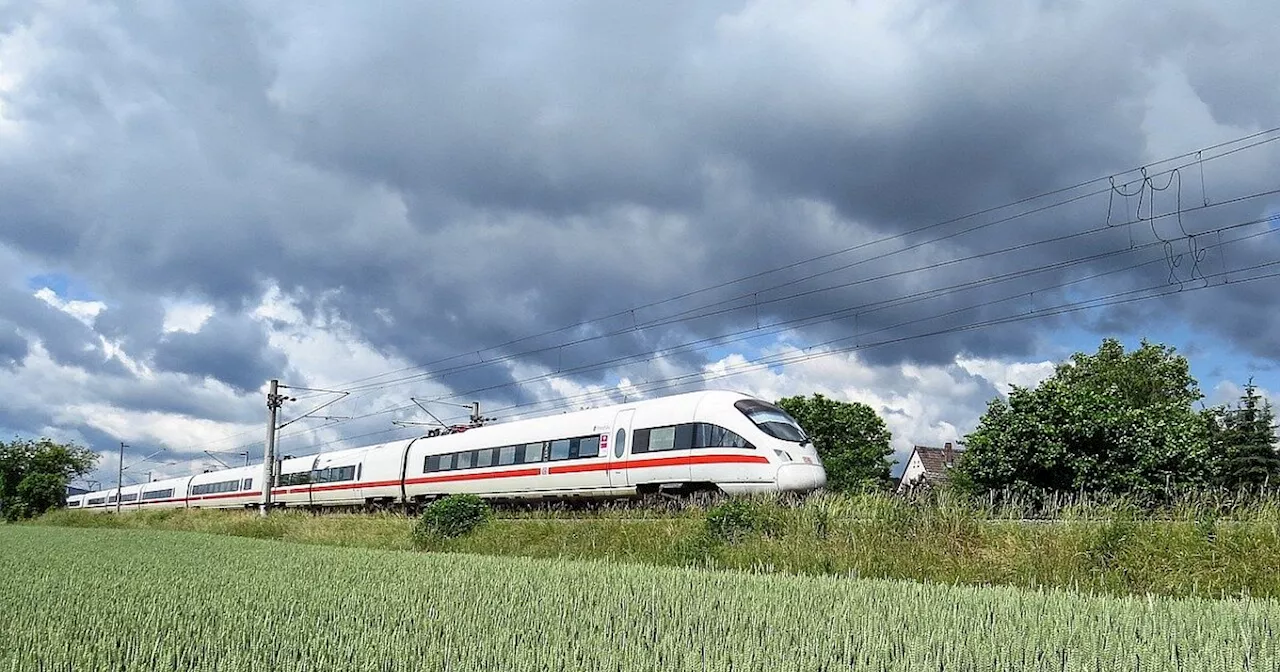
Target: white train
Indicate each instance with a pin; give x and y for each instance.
(711, 440)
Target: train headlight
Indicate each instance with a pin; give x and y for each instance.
(783, 455)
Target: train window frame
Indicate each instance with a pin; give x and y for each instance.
(580, 452)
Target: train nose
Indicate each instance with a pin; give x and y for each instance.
(801, 477)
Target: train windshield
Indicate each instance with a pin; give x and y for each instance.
(772, 420)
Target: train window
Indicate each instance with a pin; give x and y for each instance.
(97, 500)
(214, 488)
(532, 452)
(684, 436)
(641, 444)
(560, 449)
(447, 462)
(662, 438)
(484, 457)
(620, 443)
(713, 436)
(432, 463)
(588, 447)
(248, 484)
(507, 455)
(773, 420)
(298, 478)
(464, 460)
(158, 494)
(111, 499)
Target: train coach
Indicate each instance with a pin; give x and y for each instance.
(714, 440)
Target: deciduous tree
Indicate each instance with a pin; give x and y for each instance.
(1112, 422)
(34, 474)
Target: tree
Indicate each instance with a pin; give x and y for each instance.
(1112, 422)
(1244, 441)
(34, 475)
(851, 439)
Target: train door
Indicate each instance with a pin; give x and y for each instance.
(619, 441)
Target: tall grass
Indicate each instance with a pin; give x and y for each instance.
(131, 600)
(1208, 547)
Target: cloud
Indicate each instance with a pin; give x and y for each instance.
(321, 192)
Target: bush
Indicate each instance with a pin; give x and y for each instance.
(738, 519)
(450, 517)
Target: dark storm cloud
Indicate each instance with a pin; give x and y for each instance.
(13, 347)
(233, 350)
(443, 181)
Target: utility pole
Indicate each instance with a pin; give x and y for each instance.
(274, 401)
(120, 476)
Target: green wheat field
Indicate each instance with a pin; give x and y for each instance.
(105, 599)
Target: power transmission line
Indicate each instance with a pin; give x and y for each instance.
(838, 314)
(1114, 299)
(1200, 160)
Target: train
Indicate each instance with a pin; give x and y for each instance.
(712, 440)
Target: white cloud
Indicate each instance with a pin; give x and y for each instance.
(83, 311)
(1006, 374)
(185, 316)
(1228, 393)
(925, 405)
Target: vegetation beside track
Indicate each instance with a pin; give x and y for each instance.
(129, 600)
(1202, 548)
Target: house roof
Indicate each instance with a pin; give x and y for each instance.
(935, 460)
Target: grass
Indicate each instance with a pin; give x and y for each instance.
(1097, 547)
(99, 599)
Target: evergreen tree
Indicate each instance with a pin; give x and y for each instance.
(1245, 437)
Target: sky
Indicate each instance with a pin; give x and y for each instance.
(557, 205)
